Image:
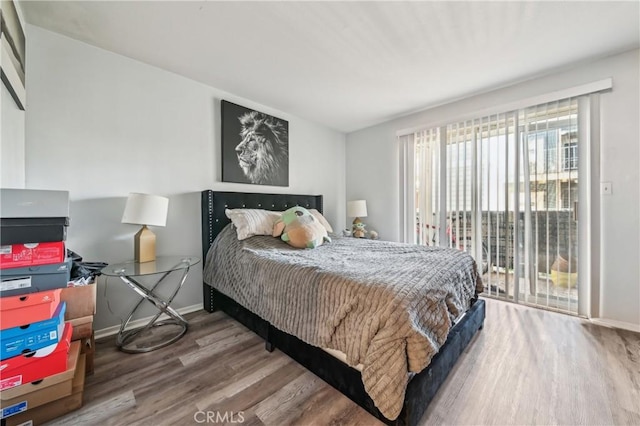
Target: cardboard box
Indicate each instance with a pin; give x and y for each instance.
(81, 301)
(28, 338)
(89, 349)
(20, 310)
(46, 413)
(57, 408)
(32, 279)
(77, 385)
(31, 395)
(82, 327)
(45, 362)
(31, 254)
(35, 399)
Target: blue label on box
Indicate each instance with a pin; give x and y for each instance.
(14, 409)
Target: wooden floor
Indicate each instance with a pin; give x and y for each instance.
(526, 366)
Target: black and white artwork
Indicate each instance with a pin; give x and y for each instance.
(255, 147)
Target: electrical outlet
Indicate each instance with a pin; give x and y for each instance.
(606, 188)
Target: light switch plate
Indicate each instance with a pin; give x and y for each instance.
(606, 188)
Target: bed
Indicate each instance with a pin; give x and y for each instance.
(421, 387)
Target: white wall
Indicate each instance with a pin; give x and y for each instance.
(372, 168)
(12, 140)
(102, 125)
(12, 134)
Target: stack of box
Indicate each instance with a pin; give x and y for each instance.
(33, 229)
(37, 358)
(38, 362)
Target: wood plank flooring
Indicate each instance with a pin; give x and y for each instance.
(526, 366)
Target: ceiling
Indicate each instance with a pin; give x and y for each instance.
(349, 65)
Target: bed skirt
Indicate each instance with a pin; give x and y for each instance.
(420, 390)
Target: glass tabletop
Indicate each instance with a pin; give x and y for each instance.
(162, 264)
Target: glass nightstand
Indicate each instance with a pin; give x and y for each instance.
(163, 266)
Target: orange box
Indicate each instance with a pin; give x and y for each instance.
(16, 311)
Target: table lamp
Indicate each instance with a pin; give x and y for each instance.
(357, 209)
(145, 210)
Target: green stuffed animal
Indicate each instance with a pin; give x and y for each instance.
(358, 230)
(299, 228)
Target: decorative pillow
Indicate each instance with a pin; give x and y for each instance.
(323, 221)
(299, 228)
(250, 222)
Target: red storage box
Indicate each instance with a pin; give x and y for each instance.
(43, 363)
(31, 254)
(16, 311)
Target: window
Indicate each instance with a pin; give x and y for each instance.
(570, 156)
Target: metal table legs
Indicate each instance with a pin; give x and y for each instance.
(125, 337)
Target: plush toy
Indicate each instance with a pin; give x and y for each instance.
(299, 228)
(358, 229)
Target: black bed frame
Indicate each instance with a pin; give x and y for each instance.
(421, 388)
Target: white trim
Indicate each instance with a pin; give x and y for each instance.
(573, 92)
(605, 322)
(110, 331)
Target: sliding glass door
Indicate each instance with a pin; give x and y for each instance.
(504, 188)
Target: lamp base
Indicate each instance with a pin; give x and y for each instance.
(144, 245)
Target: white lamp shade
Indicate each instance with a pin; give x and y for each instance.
(145, 209)
(357, 208)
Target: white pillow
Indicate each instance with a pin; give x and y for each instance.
(323, 221)
(250, 222)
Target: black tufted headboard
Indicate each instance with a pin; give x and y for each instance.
(214, 204)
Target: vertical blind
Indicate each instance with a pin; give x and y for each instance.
(504, 188)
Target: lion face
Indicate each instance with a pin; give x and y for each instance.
(262, 154)
(248, 151)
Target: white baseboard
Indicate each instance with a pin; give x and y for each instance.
(616, 324)
(110, 331)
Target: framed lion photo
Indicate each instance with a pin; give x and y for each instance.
(255, 147)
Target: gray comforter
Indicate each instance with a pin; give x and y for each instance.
(387, 306)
